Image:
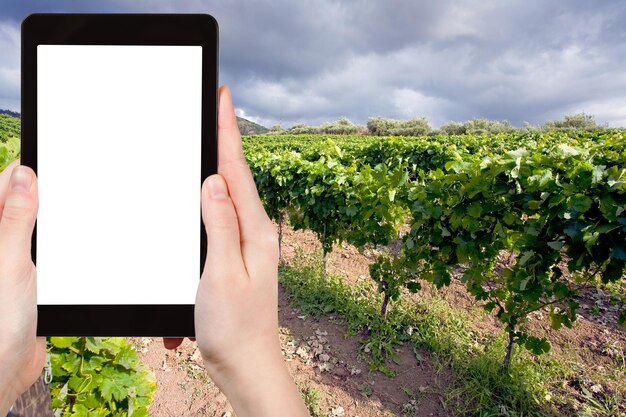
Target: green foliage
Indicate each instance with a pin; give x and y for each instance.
(302, 129)
(276, 130)
(543, 199)
(557, 203)
(9, 140)
(9, 152)
(379, 126)
(323, 193)
(98, 377)
(476, 127)
(575, 122)
(312, 400)
(343, 126)
(9, 127)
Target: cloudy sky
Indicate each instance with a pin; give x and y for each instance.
(306, 61)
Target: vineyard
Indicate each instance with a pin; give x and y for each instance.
(9, 140)
(526, 224)
(551, 205)
(555, 203)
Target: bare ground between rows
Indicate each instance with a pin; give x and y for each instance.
(595, 342)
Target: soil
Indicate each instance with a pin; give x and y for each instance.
(323, 360)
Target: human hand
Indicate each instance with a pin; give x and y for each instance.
(22, 354)
(236, 312)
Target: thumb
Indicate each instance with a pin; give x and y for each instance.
(18, 215)
(222, 227)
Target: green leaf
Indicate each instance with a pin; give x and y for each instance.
(475, 210)
(579, 203)
(561, 290)
(106, 389)
(93, 345)
(413, 286)
(63, 342)
(556, 245)
(536, 345)
(392, 195)
(126, 358)
(597, 174)
(80, 411)
(526, 257)
(619, 252)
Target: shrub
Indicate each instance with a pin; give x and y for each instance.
(580, 121)
(477, 127)
(302, 129)
(276, 130)
(379, 126)
(343, 126)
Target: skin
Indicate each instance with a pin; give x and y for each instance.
(236, 312)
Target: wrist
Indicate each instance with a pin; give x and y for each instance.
(245, 366)
(260, 385)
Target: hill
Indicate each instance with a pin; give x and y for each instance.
(10, 113)
(246, 127)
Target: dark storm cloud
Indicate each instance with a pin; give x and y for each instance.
(314, 61)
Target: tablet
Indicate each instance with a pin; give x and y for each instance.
(119, 121)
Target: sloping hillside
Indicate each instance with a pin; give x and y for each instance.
(246, 127)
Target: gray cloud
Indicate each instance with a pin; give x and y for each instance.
(306, 61)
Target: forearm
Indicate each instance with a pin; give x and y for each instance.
(260, 389)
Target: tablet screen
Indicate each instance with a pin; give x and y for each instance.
(119, 158)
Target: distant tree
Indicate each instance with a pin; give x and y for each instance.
(476, 127)
(343, 126)
(10, 113)
(379, 126)
(302, 129)
(276, 130)
(580, 121)
(453, 128)
(528, 127)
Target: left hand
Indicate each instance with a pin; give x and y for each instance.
(22, 353)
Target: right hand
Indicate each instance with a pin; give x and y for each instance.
(236, 312)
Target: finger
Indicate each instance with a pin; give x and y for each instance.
(171, 342)
(258, 234)
(18, 216)
(222, 229)
(233, 166)
(5, 176)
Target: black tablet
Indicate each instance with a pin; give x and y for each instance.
(119, 121)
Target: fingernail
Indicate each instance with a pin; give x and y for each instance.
(217, 187)
(21, 179)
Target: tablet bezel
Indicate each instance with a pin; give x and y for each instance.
(168, 320)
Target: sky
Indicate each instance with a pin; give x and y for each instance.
(290, 62)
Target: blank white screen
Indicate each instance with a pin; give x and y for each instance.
(119, 140)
